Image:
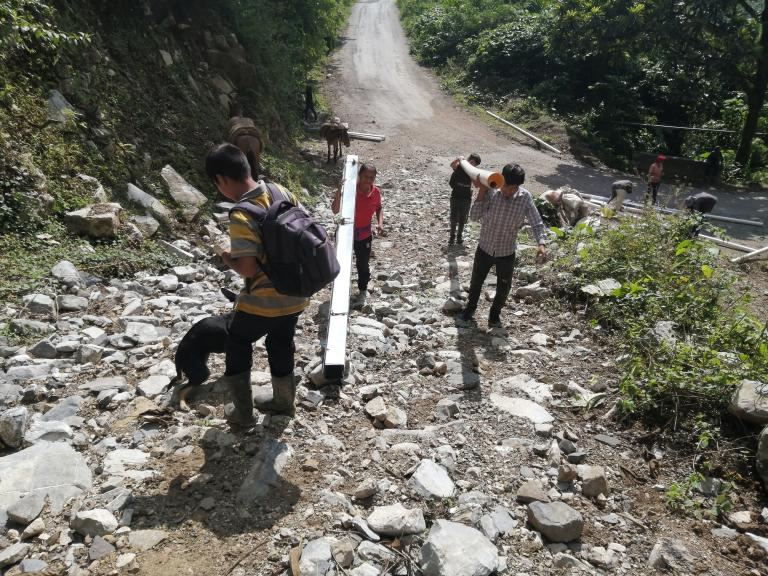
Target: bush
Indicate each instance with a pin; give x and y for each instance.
(666, 276)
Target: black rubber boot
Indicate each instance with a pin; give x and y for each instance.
(240, 411)
(281, 401)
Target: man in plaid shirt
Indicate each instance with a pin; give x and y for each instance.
(502, 213)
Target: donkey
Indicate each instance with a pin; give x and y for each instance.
(335, 133)
(242, 132)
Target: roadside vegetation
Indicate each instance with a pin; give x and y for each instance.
(683, 335)
(592, 65)
(132, 113)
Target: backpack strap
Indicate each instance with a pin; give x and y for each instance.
(276, 193)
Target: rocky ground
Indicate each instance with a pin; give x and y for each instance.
(448, 449)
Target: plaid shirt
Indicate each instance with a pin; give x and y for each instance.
(502, 219)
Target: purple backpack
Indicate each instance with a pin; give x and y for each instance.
(300, 259)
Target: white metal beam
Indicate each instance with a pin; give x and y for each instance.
(336, 338)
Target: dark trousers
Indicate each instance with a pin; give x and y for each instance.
(362, 261)
(459, 215)
(653, 191)
(245, 329)
(505, 266)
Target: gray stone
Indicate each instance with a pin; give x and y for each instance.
(185, 273)
(9, 393)
(396, 520)
(522, 408)
(566, 473)
(566, 446)
(266, 471)
(534, 292)
(43, 349)
(531, 491)
(431, 480)
(611, 441)
(13, 423)
(343, 550)
(64, 410)
(453, 549)
(189, 198)
(663, 332)
(146, 539)
(107, 383)
(31, 327)
(89, 354)
(66, 273)
(669, 554)
(762, 456)
(143, 333)
(593, 481)
(366, 489)
(146, 224)
(55, 471)
(376, 408)
(556, 521)
(35, 528)
(32, 566)
(100, 548)
(40, 305)
(59, 109)
(153, 385)
(71, 303)
(141, 198)
(96, 220)
(503, 521)
(395, 418)
(446, 409)
(25, 510)
(750, 402)
(42, 431)
(577, 457)
(316, 557)
(13, 554)
(375, 553)
(365, 569)
(97, 522)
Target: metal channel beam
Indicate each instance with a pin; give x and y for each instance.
(336, 339)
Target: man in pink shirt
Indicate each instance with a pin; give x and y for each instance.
(367, 203)
(655, 172)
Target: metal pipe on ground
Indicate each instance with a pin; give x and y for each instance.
(335, 356)
(488, 178)
(634, 204)
(750, 256)
(354, 135)
(531, 136)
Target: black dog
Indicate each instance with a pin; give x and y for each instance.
(208, 336)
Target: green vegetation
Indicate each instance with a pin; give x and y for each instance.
(683, 380)
(133, 111)
(593, 64)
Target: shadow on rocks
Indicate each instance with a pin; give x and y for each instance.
(236, 486)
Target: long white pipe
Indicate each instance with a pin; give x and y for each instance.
(750, 255)
(531, 136)
(675, 211)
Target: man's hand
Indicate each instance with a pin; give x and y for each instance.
(455, 163)
(380, 230)
(541, 254)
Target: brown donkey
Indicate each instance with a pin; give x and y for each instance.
(242, 132)
(335, 133)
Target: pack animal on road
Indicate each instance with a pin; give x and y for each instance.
(335, 133)
(242, 132)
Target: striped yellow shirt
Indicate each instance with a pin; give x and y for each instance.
(259, 297)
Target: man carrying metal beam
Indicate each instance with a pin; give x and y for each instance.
(367, 203)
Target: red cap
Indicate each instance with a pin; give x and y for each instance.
(660, 158)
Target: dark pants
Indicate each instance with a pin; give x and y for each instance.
(309, 109)
(483, 263)
(653, 191)
(245, 329)
(362, 261)
(459, 215)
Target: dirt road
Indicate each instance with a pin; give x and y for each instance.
(379, 88)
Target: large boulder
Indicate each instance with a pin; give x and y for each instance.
(13, 424)
(557, 521)
(453, 549)
(96, 220)
(98, 522)
(671, 555)
(750, 402)
(55, 471)
(150, 203)
(189, 198)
